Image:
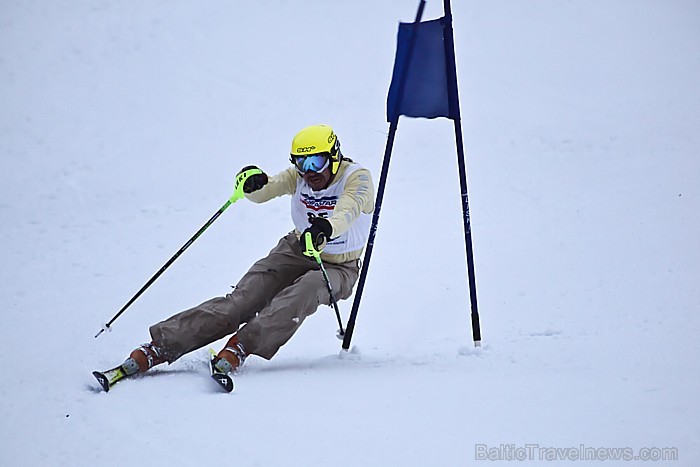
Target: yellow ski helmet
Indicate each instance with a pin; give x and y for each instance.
(316, 140)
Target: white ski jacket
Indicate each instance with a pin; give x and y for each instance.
(347, 203)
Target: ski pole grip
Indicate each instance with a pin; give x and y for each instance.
(240, 181)
(310, 249)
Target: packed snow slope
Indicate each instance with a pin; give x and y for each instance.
(123, 125)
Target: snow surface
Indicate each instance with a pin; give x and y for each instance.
(124, 123)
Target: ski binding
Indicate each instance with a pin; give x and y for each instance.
(222, 379)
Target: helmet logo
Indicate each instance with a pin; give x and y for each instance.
(306, 149)
(330, 137)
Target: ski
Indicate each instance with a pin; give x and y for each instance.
(109, 378)
(223, 380)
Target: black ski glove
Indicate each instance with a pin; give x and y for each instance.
(254, 182)
(320, 231)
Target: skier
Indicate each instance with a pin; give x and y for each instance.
(332, 199)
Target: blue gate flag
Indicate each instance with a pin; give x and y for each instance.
(419, 83)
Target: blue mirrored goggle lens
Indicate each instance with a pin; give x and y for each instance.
(313, 163)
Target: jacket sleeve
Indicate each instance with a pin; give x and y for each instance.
(284, 183)
(357, 197)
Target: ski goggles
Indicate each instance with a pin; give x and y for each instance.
(312, 163)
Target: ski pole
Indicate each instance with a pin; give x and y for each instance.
(311, 251)
(237, 194)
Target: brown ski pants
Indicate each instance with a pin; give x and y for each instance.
(265, 308)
